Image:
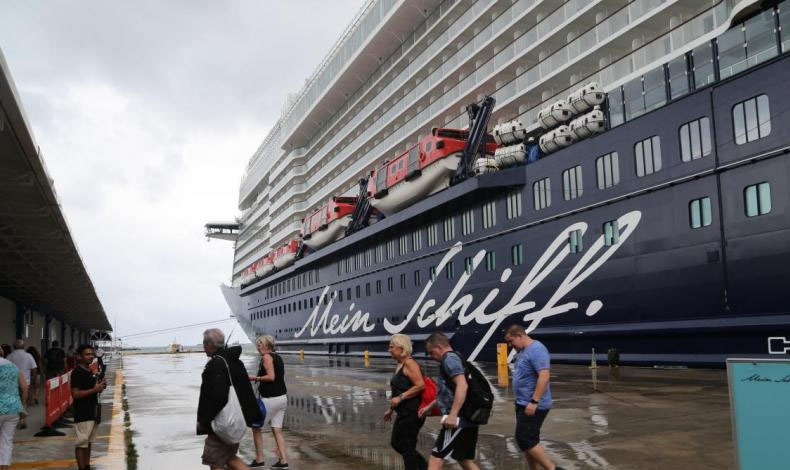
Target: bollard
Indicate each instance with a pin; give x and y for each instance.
(503, 375)
(501, 354)
(594, 370)
(301, 354)
(366, 355)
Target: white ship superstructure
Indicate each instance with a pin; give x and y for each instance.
(403, 67)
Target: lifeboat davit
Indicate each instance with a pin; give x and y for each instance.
(264, 266)
(286, 254)
(556, 139)
(421, 171)
(586, 97)
(328, 223)
(511, 155)
(554, 114)
(588, 124)
(510, 132)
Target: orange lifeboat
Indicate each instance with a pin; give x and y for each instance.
(286, 254)
(248, 275)
(328, 223)
(264, 265)
(420, 171)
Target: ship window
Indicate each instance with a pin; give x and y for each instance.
(607, 169)
(378, 286)
(784, 25)
(340, 295)
(403, 245)
(468, 265)
(655, 89)
(468, 222)
(316, 275)
(678, 77)
(428, 146)
(416, 240)
(514, 204)
(575, 241)
(760, 38)
(757, 199)
(732, 54)
(432, 273)
(700, 213)
(751, 119)
(368, 257)
(433, 234)
(647, 154)
(449, 228)
(358, 261)
(634, 99)
(490, 261)
(349, 265)
(311, 302)
(541, 190)
(403, 281)
(379, 253)
(614, 101)
(299, 304)
(695, 141)
(611, 233)
(517, 254)
(449, 270)
(367, 289)
(489, 214)
(390, 284)
(348, 293)
(391, 249)
(703, 65)
(359, 291)
(572, 183)
(417, 280)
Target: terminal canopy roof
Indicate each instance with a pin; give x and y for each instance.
(40, 266)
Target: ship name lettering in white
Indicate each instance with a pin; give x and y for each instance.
(453, 305)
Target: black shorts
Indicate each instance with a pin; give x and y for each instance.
(528, 427)
(459, 443)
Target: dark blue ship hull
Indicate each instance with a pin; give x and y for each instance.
(664, 292)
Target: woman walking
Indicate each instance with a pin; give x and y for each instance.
(407, 385)
(35, 380)
(13, 392)
(271, 387)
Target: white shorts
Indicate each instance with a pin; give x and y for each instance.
(7, 429)
(275, 410)
(86, 433)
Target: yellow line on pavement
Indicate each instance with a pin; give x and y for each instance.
(66, 463)
(116, 450)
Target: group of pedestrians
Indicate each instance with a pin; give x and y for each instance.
(415, 396)
(224, 374)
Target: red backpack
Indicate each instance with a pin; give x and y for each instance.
(429, 395)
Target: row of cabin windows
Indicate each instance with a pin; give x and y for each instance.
(285, 286)
(751, 121)
(756, 202)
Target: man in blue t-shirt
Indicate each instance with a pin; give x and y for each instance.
(533, 394)
(458, 437)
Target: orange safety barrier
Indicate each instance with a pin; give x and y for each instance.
(57, 397)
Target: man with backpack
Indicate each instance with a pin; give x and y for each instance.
(533, 395)
(458, 437)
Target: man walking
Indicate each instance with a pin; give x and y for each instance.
(223, 366)
(85, 390)
(533, 395)
(26, 364)
(55, 360)
(458, 437)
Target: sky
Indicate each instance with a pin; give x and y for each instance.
(146, 114)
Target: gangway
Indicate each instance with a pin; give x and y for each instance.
(479, 115)
(222, 230)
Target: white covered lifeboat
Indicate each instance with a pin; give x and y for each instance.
(264, 266)
(554, 114)
(286, 254)
(588, 124)
(556, 139)
(586, 97)
(511, 155)
(509, 133)
(328, 223)
(421, 171)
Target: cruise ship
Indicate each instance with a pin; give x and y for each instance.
(611, 174)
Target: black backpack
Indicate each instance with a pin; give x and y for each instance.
(479, 398)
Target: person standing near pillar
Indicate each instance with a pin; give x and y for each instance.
(533, 395)
(85, 390)
(26, 365)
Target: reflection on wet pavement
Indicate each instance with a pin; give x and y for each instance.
(639, 419)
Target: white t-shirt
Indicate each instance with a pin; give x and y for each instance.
(24, 362)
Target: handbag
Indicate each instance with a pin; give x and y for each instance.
(229, 424)
(262, 407)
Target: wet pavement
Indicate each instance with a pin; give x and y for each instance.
(640, 418)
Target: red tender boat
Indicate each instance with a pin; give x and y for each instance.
(420, 171)
(329, 222)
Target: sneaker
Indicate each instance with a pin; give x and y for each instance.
(256, 464)
(280, 466)
(23, 425)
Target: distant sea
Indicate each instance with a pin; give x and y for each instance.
(247, 348)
